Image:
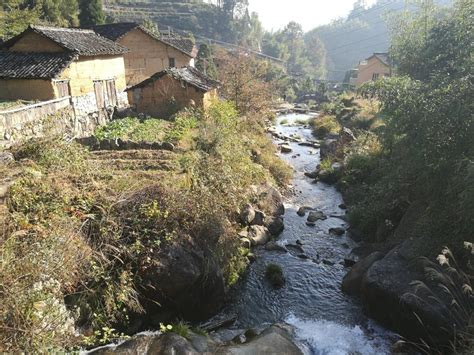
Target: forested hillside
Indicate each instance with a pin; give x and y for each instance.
(227, 20)
(363, 32)
(16, 15)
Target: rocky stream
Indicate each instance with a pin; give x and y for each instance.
(309, 314)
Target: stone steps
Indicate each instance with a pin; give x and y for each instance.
(133, 155)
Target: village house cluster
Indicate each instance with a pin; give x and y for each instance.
(92, 72)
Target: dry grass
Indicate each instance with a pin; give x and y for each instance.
(81, 225)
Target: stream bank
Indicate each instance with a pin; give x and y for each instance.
(311, 253)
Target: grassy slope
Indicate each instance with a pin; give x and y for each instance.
(66, 230)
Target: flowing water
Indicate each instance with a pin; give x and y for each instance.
(326, 320)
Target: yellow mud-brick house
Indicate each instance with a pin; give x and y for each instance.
(46, 63)
(377, 66)
(149, 52)
(173, 89)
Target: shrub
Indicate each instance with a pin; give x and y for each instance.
(325, 125)
(274, 275)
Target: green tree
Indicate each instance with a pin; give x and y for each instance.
(428, 137)
(91, 13)
(15, 16)
(205, 61)
(63, 13)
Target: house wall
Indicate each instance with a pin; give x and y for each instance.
(85, 70)
(33, 42)
(26, 89)
(155, 98)
(372, 66)
(148, 56)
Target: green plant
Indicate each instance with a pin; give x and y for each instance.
(274, 275)
(325, 125)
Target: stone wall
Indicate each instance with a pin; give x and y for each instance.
(48, 118)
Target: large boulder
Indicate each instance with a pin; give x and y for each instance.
(258, 235)
(316, 216)
(275, 225)
(409, 294)
(347, 136)
(328, 148)
(351, 284)
(270, 200)
(184, 278)
(247, 215)
(275, 340)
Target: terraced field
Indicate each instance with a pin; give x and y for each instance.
(191, 16)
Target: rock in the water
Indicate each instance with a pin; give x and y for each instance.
(343, 206)
(301, 211)
(351, 283)
(337, 231)
(275, 225)
(314, 145)
(275, 340)
(258, 235)
(251, 257)
(313, 174)
(311, 224)
(315, 216)
(285, 148)
(273, 246)
(328, 262)
(295, 248)
(303, 256)
(247, 215)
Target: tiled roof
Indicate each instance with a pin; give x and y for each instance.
(16, 65)
(115, 31)
(185, 44)
(383, 57)
(189, 75)
(82, 42)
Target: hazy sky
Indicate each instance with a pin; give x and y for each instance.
(275, 14)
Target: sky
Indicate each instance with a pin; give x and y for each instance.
(275, 14)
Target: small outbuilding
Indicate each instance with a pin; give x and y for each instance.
(171, 90)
